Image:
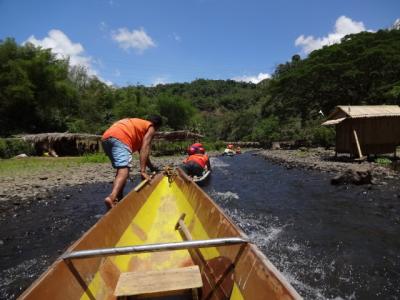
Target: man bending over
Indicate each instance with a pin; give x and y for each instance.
(122, 139)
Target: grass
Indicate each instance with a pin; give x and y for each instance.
(33, 164)
(94, 158)
(300, 153)
(383, 161)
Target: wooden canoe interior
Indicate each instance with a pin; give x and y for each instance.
(150, 216)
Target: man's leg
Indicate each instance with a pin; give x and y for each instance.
(118, 186)
(120, 156)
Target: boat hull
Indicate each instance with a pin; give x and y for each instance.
(149, 216)
(202, 179)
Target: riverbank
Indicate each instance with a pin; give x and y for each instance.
(35, 182)
(324, 160)
(47, 176)
(28, 180)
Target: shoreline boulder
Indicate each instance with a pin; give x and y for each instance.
(351, 176)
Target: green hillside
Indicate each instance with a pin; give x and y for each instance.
(40, 93)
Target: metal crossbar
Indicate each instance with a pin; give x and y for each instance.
(155, 247)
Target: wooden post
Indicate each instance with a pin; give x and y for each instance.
(360, 155)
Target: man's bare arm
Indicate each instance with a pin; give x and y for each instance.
(145, 151)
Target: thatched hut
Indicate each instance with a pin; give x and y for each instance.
(63, 144)
(365, 130)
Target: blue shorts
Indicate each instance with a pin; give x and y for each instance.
(119, 153)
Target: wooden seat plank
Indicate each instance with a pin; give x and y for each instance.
(136, 283)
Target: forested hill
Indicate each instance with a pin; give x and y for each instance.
(363, 69)
(40, 93)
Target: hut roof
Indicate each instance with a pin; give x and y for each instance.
(56, 136)
(343, 112)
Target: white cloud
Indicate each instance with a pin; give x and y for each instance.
(160, 80)
(254, 79)
(343, 26)
(137, 39)
(63, 47)
(396, 24)
(108, 82)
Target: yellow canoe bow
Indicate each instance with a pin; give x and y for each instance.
(167, 239)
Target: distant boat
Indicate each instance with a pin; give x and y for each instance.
(167, 240)
(229, 152)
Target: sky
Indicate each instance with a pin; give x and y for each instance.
(154, 42)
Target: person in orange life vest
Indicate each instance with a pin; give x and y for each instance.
(198, 147)
(119, 142)
(196, 162)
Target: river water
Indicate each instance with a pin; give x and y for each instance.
(330, 242)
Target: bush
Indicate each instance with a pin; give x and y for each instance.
(178, 111)
(160, 148)
(266, 131)
(383, 161)
(12, 147)
(217, 145)
(323, 136)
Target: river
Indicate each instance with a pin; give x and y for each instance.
(331, 242)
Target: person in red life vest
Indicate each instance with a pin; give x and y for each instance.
(122, 139)
(197, 161)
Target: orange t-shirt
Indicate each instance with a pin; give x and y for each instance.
(129, 131)
(200, 159)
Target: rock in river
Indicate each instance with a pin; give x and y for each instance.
(353, 177)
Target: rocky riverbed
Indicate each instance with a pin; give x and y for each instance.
(342, 168)
(17, 189)
(22, 188)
